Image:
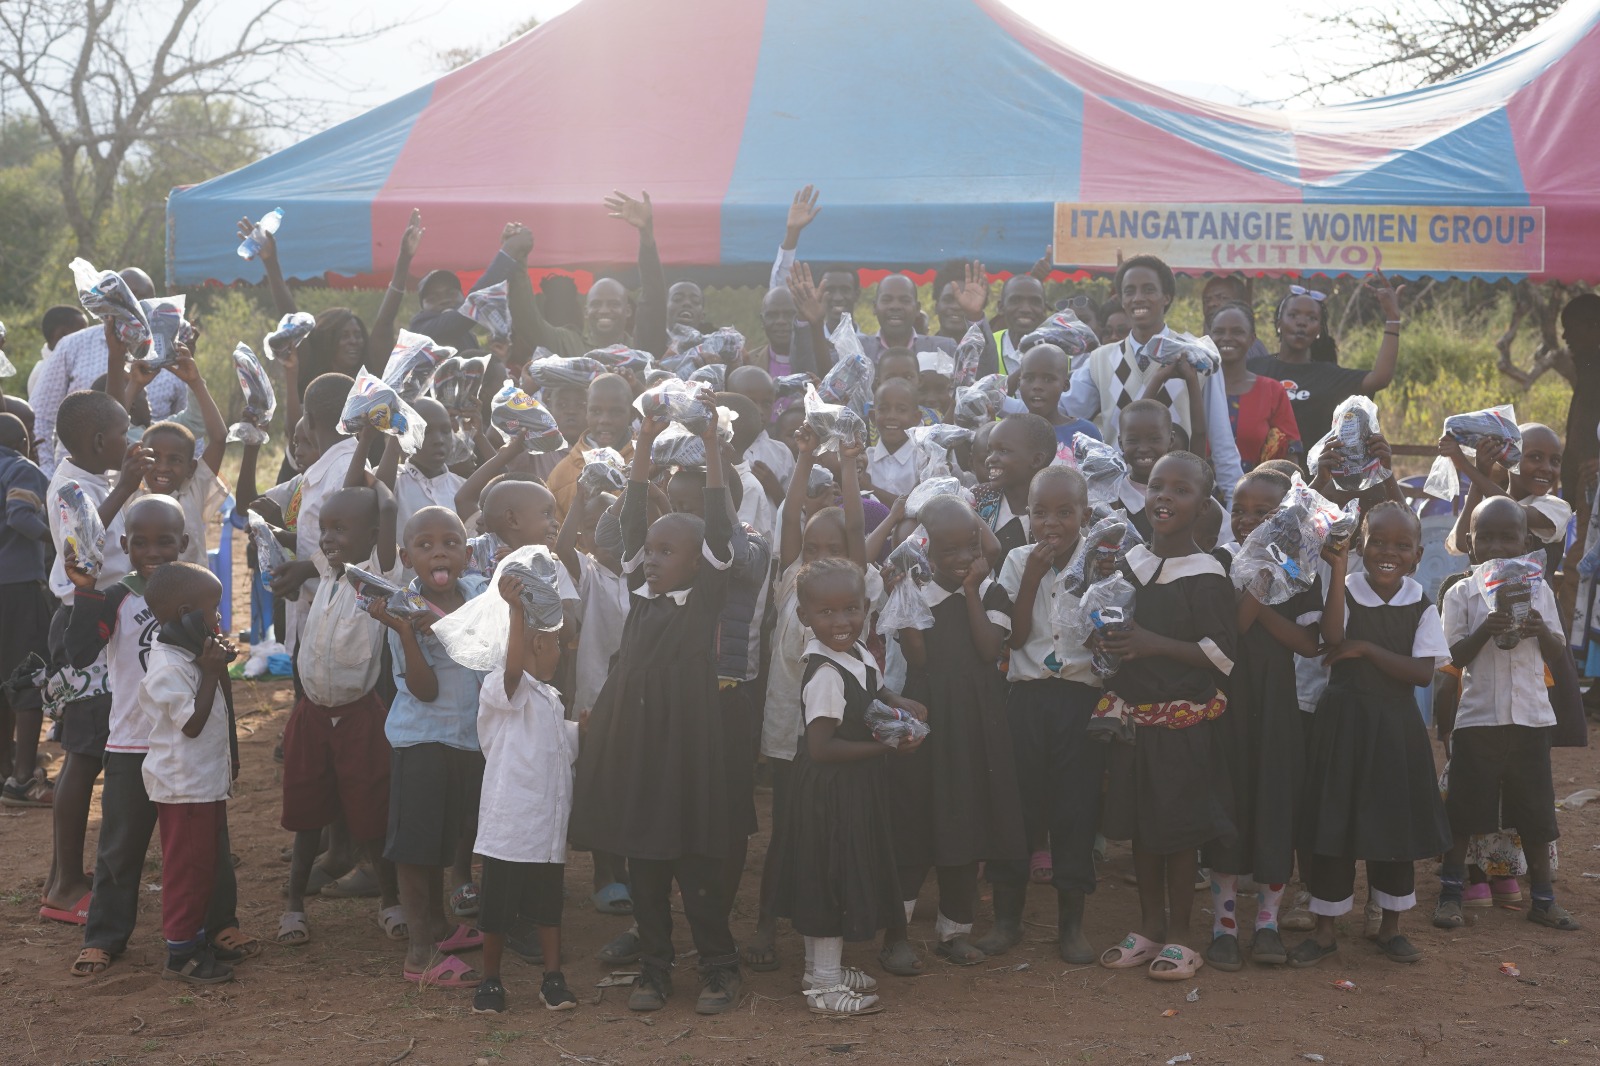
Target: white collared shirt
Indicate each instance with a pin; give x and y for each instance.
(414, 490)
(1499, 686)
(1043, 655)
(529, 749)
(179, 768)
(893, 471)
(677, 596)
(341, 646)
(756, 508)
(1004, 516)
(1556, 510)
(96, 487)
(200, 497)
(1429, 641)
(823, 696)
(773, 455)
(1147, 565)
(781, 719)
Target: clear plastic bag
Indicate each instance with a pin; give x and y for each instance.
(1508, 585)
(1102, 466)
(892, 726)
(981, 401)
(461, 449)
(260, 402)
(692, 406)
(905, 608)
(554, 371)
(934, 444)
(477, 633)
(1199, 352)
(1356, 469)
(1104, 607)
(412, 363)
(835, 425)
(849, 380)
(1470, 430)
(481, 552)
(513, 411)
(82, 533)
(1105, 544)
(681, 340)
(166, 321)
(489, 307)
(723, 346)
(604, 470)
(621, 358)
(676, 446)
(104, 294)
(400, 601)
(540, 589)
(269, 553)
(292, 328)
(374, 402)
(790, 386)
(448, 381)
(1066, 331)
(713, 374)
(918, 498)
(1278, 560)
(969, 353)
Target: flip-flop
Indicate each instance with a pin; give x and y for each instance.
(1134, 951)
(1041, 868)
(1184, 963)
(613, 899)
(78, 915)
(360, 883)
(392, 920)
(762, 958)
(235, 945)
(465, 938)
(293, 930)
(448, 972)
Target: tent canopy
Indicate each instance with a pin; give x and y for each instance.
(936, 129)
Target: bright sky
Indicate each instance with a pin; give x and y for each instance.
(1238, 57)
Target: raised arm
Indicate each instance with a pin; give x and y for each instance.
(635, 500)
(650, 320)
(855, 521)
(388, 516)
(472, 488)
(567, 538)
(791, 516)
(282, 298)
(1383, 366)
(380, 341)
(188, 372)
(803, 210)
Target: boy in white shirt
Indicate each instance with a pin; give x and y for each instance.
(424, 480)
(892, 461)
(188, 771)
(174, 470)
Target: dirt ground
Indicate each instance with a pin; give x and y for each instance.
(341, 999)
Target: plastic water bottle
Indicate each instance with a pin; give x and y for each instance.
(251, 245)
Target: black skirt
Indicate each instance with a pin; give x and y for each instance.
(1165, 792)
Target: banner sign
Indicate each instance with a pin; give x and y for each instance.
(1309, 238)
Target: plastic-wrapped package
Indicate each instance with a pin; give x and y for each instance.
(1102, 466)
(722, 346)
(461, 449)
(849, 380)
(1470, 430)
(401, 602)
(489, 307)
(473, 372)
(165, 318)
(268, 224)
(820, 480)
(481, 552)
(1357, 469)
(892, 726)
(1278, 560)
(1066, 331)
(448, 382)
(260, 402)
(1508, 585)
(620, 358)
(905, 608)
(1106, 543)
(681, 340)
(83, 534)
(713, 374)
(1199, 352)
(412, 364)
(790, 386)
(918, 498)
(980, 402)
(934, 444)
(836, 426)
(513, 411)
(477, 633)
(269, 553)
(104, 294)
(1104, 607)
(691, 405)
(553, 372)
(604, 470)
(938, 362)
(676, 446)
(374, 402)
(969, 353)
(292, 328)
(540, 595)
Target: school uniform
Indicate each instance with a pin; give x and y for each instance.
(1500, 748)
(316, 483)
(835, 873)
(1164, 791)
(1371, 788)
(200, 497)
(772, 454)
(894, 470)
(335, 754)
(529, 750)
(1010, 527)
(1050, 699)
(604, 598)
(414, 490)
(756, 508)
(1130, 500)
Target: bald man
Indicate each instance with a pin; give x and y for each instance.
(896, 307)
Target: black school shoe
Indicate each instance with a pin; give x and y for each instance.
(554, 993)
(490, 998)
(198, 967)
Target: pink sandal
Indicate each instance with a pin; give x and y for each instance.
(465, 938)
(1041, 868)
(1134, 951)
(448, 972)
(1182, 963)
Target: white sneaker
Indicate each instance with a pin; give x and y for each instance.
(855, 980)
(838, 1001)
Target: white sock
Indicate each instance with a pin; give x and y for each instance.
(811, 953)
(911, 905)
(948, 930)
(827, 960)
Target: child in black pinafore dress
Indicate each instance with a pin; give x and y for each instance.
(955, 803)
(1371, 790)
(835, 875)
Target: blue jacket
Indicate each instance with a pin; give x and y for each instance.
(26, 531)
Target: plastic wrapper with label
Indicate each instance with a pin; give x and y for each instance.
(513, 411)
(1356, 469)
(892, 726)
(849, 380)
(1066, 331)
(399, 601)
(790, 386)
(1199, 352)
(905, 608)
(692, 406)
(374, 403)
(1278, 560)
(1102, 466)
(412, 363)
(622, 359)
(934, 444)
(676, 446)
(980, 402)
(477, 634)
(269, 553)
(1104, 607)
(554, 371)
(1106, 543)
(467, 398)
(820, 480)
(604, 470)
(1508, 585)
(723, 346)
(104, 294)
(969, 354)
(489, 307)
(918, 497)
(293, 328)
(835, 425)
(1471, 430)
(260, 402)
(165, 319)
(82, 533)
(481, 552)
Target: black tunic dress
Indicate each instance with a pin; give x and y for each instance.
(955, 800)
(651, 778)
(1372, 789)
(835, 852)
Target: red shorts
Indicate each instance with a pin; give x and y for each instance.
(331, 768)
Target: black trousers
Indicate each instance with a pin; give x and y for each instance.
(958, 889)
(1332, 881)
(126, 825)
(700, 880)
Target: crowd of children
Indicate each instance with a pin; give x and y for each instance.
(504, 648)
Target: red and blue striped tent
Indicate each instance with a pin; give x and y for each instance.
(936, 129)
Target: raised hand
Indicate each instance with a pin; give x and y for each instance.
(1046, 263)
(973, 295)
(807, 297)
(802, 211)
(636, 213)
(413, 234)
(267, 251)
(516, 240)
(1388, 295)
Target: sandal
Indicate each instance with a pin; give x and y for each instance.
(235, 945)
(613, 899)
(1554, 916)
(853, 979)
(464, 901)
(1180, 962)
(1447, 915)
(762, 958)
(1308, 953)
(293, 930)
(1224, 953)
(840, 1002)
(621, 951)
(1134, 951)
(78, 915)
(91, 962)
(900, 959)
(392, 920)
(1398, 949)
(360, 883)
(448, 972)
(960, 951)
(201, 968)
(465, 938)
(1041, 868)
